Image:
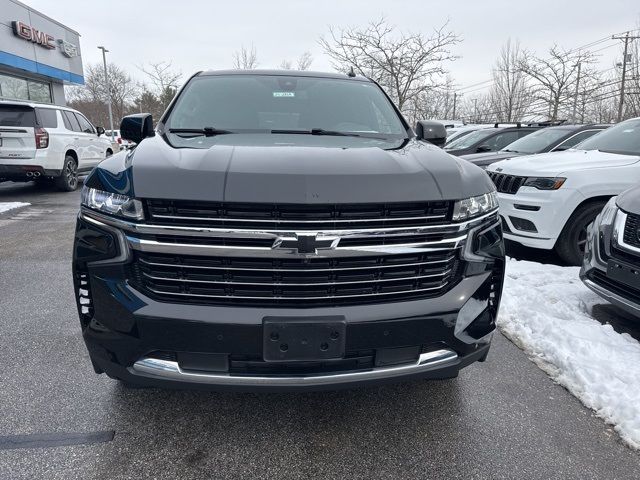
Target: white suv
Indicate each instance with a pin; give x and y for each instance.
(48, 143)
(548, 200)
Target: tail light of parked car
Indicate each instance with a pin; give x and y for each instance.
(119, 141)
(42, 138)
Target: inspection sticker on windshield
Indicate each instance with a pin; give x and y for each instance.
(284, 94)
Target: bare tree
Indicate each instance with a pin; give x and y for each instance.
(554, 77)
(165, 82)
(436, 103)
(305, 60)
(245, 59)
(510, 95)
(303, 63)
(162, 76)
(92, 98)
(405, 64)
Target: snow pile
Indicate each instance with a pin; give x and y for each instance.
(6, 206)
(546, 312)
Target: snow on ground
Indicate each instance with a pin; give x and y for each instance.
(6, 206)
(546, 311)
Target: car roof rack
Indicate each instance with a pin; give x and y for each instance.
(516, 124)
(550, 123)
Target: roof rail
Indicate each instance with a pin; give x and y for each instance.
(517, 124)
(548, 123)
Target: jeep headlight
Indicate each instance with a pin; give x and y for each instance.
(475, 206)
(112, 203)
(544, 183)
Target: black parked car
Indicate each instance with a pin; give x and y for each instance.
(612, 253)
(285, 230)
(551, 139)
(489, 139)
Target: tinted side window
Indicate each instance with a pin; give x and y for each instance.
(85, 126)
(576, 139)
(501, 140)
(47, 117)
(70, 118)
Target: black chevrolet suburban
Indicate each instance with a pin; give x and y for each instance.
(285, 230)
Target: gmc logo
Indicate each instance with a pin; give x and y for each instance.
(31, 34)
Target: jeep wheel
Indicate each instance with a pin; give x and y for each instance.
(68, 179)
(572, 240)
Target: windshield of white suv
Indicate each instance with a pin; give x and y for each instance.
(537, 141)
(278, 104)
(470, 139)
(623, 138)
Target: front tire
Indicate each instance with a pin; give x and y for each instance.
(68, 179)
(570, 244)
(108, 153)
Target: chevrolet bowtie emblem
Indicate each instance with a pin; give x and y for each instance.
(306, 243)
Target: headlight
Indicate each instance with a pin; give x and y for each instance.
(544, 183)
(475, 206)
(112, 203)
(608, 214)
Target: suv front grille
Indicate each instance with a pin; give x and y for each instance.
(297, 217)
(506, 183)
(631, 230)
(295, 281)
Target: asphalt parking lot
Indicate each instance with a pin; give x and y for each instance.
(500, 419)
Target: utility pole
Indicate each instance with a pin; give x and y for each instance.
(627, 38)
(455, 97)
(575, 98)
(475, 110)
(106, 81)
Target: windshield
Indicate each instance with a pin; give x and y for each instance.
(264, 103)
(469, 140)
(537, 141)
(623, 138)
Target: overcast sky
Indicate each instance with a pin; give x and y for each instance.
(197, 35)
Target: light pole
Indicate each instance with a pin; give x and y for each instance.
(106, 81)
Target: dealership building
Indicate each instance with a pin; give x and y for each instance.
(38, 55)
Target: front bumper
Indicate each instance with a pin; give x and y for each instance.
(140, 340)
(548, 211)
(605, 244)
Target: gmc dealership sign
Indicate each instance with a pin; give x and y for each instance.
(27, 32)
(31, 34)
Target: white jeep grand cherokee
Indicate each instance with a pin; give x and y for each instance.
(548, 200)
(48, 143)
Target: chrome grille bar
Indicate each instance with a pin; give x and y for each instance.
(283, 284)
(306, 270)
(276, 298)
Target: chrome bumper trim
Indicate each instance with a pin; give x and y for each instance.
(168, 370)
(613, 298)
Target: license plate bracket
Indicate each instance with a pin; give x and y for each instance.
(301, 339)
(623, 273)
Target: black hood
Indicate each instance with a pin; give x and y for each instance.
(485, 159)
(291, 169)
(629, 200)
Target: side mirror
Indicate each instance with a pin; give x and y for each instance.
(432, 132)
(483, 149)
(100, 131)
(137, 127)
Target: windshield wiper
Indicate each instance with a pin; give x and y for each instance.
(322, 131)
(510, 151)
(206, 131)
